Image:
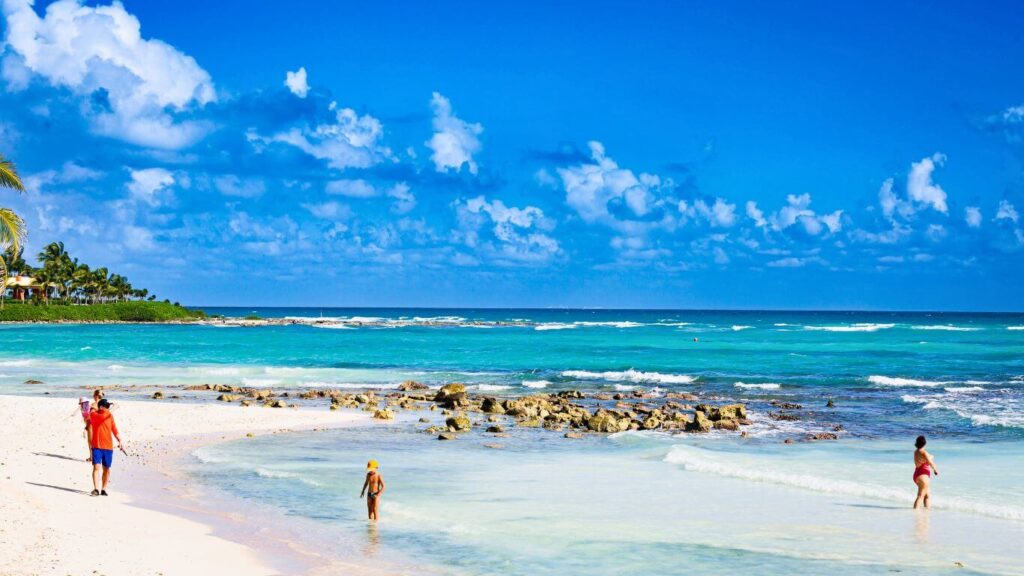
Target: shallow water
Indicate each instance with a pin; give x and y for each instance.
(629, 503)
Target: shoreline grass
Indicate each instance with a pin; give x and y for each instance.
(133, 311)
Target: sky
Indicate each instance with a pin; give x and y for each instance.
(738, 155)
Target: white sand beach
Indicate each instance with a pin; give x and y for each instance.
(50, 525)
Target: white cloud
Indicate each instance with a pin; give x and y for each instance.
(296, 82)
(516, 229)
(720, 214)
(1006, 211)
(351, 188)
(404, 200)
(129, 85)
(150, 185)
(455, 141)
(972, 215)
(352, 141)
(755, 214)
(920, 187)
(795, 262)
(329, 210)
(231, 185)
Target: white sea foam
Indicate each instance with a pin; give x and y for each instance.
(696, 460)
(115, 367)
(738, 327)
(946, 327)
(630, 376)
(766, 386)
(1015, 327)
(964, 389)
(255, 382)
(15, 363)
(217, 371)
(981, 410)
(491, 387)
(624, 387)
(554, 326)
(536, 383)
(890, 381)
(333, 326)
(610, 324)
(859, 327)
(84, 348)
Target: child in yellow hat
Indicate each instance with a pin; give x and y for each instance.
(373, 488)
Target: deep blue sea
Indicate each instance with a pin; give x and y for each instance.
(629, 503)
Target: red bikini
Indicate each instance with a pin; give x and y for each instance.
(923, 468)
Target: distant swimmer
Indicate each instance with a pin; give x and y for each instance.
(923, 468)
(694, 338)
(373, 487)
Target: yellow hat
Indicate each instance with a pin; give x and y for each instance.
(371, 465)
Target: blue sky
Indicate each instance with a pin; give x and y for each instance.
(669, 154)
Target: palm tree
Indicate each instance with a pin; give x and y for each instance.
(12, 227)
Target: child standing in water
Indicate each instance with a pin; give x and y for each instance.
(923, 468)
(373, 488)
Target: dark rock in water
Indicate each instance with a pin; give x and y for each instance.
(495, 429)
(447, 436)
(571, 394)
(492, 406)
(783, 416)
(158, 395)
(458, 424)
(838, 428)
(384, 414)
(275, 404)
(199, 387)
(247, 403)
(494, 446)
(786, 405)
(573, 435)
(532, 423)
(603, 423)
(30, 381)
(788, 441)
(729, 412)
(410, 385)
(228, 398)
(700, 423)
(424, 420)
(449, 391)
(830, 404)
(823, 436)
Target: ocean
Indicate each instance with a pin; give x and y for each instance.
(627, 503)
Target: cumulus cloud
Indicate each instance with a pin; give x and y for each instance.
(719, 213)
(920, 187)
(130, 87)
(150, 185)
(519, 231)
(797, 211)
(1007, 211)
(296, 82)
(231, 185)
(403, 200)
(455, 141)
(351, 141)
(972, 215)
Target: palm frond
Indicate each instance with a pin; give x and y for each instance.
(9, 176)
(12, 230)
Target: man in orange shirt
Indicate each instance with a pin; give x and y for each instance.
(101, 427)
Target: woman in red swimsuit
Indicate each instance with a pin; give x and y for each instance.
(923, 468)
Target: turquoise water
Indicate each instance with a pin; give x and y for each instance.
(635, 502)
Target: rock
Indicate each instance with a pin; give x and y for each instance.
(31, 381)
(424, 420)
(492, 406)
(495, 429)
(275, 404)
(199, 387)
(244, 403)
(531, 423)
(449, 391)
(573, 435)
(729, 412)
(570, 394)
(228, 397)
(651, 423)
(603, 423)
(700, 422)
(731, 424)
(788, 441)
(458, 424)
(783, 416)
(334, 406)
(433, 429)
(493, 418)
(823, 436)
(410, 385)
(494, 446)
(249, 435)
(158, 395)
(384, 414)
(446, 436)
(786, 405)
(362, 398)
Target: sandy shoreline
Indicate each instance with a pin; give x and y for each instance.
(49, 524)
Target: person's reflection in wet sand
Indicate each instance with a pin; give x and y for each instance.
(372, 540)
(921, 526)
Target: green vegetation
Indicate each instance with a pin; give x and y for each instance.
(12, 227)
(136, 311)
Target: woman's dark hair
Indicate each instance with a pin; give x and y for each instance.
(920, 442)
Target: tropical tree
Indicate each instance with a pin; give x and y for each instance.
(12, 227)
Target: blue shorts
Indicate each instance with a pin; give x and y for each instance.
(105, 457)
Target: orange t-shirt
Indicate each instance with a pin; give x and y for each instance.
(102, 426)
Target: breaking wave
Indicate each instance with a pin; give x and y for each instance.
(859, 327)
(631, 376)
